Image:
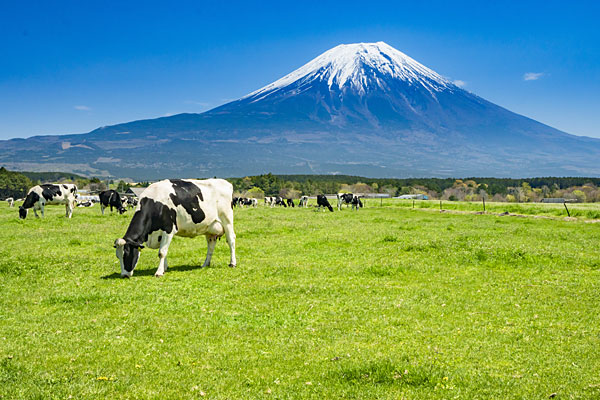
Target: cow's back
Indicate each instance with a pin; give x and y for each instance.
(193, 216)
(49, 193)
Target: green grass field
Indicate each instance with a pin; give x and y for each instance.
(576, 210)
(385, 303)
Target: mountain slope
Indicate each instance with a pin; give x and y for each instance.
(362, 108)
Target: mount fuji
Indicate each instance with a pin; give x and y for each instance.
(362, 109)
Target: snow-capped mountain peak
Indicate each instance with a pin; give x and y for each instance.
(360, 67)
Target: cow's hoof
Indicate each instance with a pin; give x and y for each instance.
(158, 275)
(125, 276)
(232, 265)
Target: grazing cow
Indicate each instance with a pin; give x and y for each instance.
(131, 202)
(269, 201)
(323, 202)
(244, 201)
(290, 202)
(303, 201)
(86, 204)
(93, 199)
(40, 195)
(344, 198)
(356, 203)
(110, 198)
(235, 201)
(240, 201)
(279, 201)
(11, 202)
(182, 207)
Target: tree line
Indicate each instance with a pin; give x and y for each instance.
(469, 189)
(16, 184)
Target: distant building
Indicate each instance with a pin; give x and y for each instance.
(558, 200)
(134, 191)
(418, 196)
(373, 195)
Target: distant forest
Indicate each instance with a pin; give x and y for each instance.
(526, 189)
(52, 176)
(494, 185)
(16, 184)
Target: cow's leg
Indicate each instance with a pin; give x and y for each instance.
(42, 208)
(162, 253)
(102, 208)
(211, 241)
(69, 209)
(227, 222)
(35, 212)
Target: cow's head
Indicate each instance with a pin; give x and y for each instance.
(128, 253)
(22, 212)
(122, 210)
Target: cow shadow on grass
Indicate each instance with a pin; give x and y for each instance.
(150, 272)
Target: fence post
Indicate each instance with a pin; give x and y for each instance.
(483, 198)
(568, 213)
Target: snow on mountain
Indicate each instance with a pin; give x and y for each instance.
(360, 67)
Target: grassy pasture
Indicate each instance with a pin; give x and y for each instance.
(576, 210)
(384, 303)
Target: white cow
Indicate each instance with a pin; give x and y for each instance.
(182, 207)
(269, 201)
(303, 202)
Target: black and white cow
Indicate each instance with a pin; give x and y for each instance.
(88, 203)
(290, 203)
(131, 202)
(280, 202)
(110, 198)
(323, 202)
(356, 203)
(303, 201)
(182, 207)
(344, 198)
(269, 201)
(245, 201)
(11, 202)
(40, 195)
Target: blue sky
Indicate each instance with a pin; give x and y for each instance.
(70, 67)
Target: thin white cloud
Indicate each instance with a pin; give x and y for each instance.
(460, 83)
(197, 103)
(532, 76)
(82, 108)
